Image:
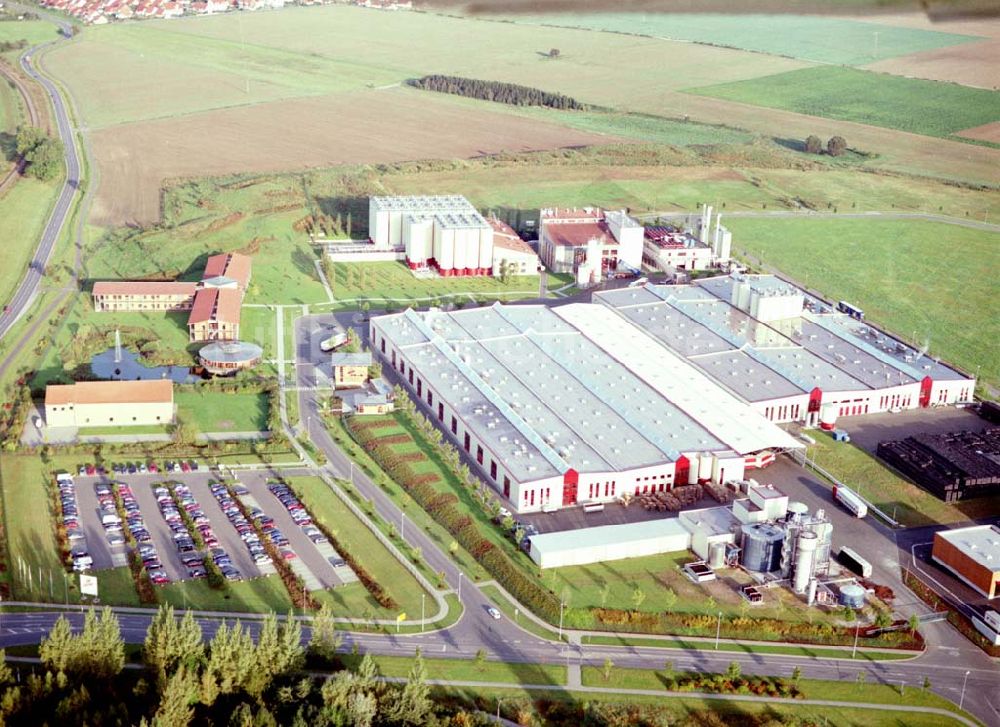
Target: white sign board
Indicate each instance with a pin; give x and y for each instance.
(88, 585)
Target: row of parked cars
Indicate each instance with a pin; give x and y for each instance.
(71, 522)
(183, 540)
(243, 526)
(141, 468)
(135, 524)
(297, 510)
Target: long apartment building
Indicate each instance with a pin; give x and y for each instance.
(571, 405)
(214, 302)
(790, 356)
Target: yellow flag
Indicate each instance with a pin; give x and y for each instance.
(401, 617)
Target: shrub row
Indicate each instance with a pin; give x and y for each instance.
(140, 576)
(402, 438)
(213, 574)
(463, 529)
(926, 594)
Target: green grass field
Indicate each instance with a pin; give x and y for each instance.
(33, 31)
(907, 104)
(845, 691)
(24, 210)
(354, 600)
(681, 643)
(217, 411)
(257, 595)
(809, 38)
(467, 670)
(393, 282)
(898, 497)
(919, 279)
(231, 60)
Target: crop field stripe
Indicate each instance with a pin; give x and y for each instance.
(906, 104)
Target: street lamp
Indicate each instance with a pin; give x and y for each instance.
(965, 681)
(460, 574)
(718, 630)
(854, 651)
(423, 599)
(402, 525)
(562, 605)
(499, 700)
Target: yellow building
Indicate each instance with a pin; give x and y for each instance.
(350, 370)
(109, 403)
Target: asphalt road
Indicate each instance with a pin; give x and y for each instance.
(28, 288)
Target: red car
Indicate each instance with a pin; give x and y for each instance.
(159, 579)
(185, 467)
(153, 468)
(288, 554)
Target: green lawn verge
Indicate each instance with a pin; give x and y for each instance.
(353, 600)
(468, 670)
(932, 108)
(896, 496)
(217, 411)
(24, 210)
(679, 643)
(913, 275)
(263, 594)
(146, 429)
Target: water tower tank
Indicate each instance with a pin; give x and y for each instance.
(828, 416)
(852, 595)
(805, 560)
(761, 546)
(717, 555)
(811, 592)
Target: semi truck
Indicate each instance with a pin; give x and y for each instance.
(335, 341)
(850, 500)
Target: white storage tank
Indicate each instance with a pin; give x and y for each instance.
(486, 250)
(805, 560)
(419, 236)
(444, 247)
(797, 511)
(717, 555)
(828, 416)
(461, 248)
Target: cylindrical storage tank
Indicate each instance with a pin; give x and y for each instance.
(444, 249)
(828, 416)
(705, 461)
(486, 250)
(852, 595)
(761, 544)
(461, 260)
(797, 511)
(805, 560)
(395, 220)
(811, 592)
(717, 555)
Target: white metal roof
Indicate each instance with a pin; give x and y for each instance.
(981, 543)
(604, 535)
(724, 416)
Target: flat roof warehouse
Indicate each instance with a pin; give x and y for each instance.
(549, 390)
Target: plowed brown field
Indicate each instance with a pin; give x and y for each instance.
(971, 64)
(986, 132)
(371, 126)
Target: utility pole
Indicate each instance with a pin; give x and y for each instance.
(854, 651)
(561, 606)
(965, 681)
(423, 599)
(718, 630)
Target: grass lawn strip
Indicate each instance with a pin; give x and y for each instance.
(468, 670)
(508, 609)
(817, 652)
(218, 411)
(893, 494)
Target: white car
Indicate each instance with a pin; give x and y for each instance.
(494, 613)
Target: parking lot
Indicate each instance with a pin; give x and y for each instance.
(324, 574)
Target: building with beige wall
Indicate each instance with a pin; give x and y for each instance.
(972, 554)
(143, 295)
(350, 370)
(109, 403)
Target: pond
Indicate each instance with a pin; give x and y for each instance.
(129, 368)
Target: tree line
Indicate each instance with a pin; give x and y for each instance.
(8, 45)
(42, 153)
(508, 93)
(234, 678)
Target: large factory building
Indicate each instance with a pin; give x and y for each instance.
(446, 233)
(600, 242)
(571, 405)
(790, 356)
(972, 554)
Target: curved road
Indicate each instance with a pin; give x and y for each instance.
(28, 288)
